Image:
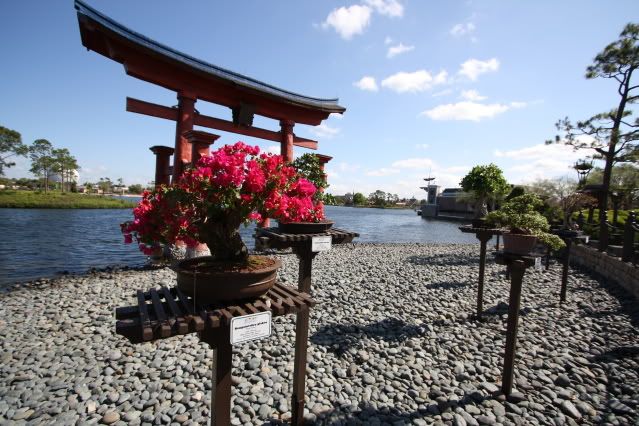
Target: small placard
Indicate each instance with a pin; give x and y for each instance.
(538, 263)
(587, 238)
(321, 243)
(250, 327)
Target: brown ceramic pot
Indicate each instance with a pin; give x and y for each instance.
(305, 227)
(519, 243)
(210, 281)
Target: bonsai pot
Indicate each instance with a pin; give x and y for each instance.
(208, 280)
(519, 243)
(305, 227)
(479, 223)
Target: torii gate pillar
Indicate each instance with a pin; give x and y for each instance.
(162, 164)
(200, 142)
(186, 115)
(287, 139)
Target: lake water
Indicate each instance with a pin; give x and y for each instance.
(38, 243)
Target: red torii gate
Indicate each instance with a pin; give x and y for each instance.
(193, 79)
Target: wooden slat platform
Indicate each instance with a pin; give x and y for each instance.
(166, 312)
(470, 230)
(272, 237)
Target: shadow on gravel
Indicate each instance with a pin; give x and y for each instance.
(618, 353)
(366, 413)
(447, 285)
(443, 260)
(339, 338)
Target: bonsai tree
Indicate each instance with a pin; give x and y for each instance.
(483, 183)
(230, 187)
(519, 216)
(308, 166)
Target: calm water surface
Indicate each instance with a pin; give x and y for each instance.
(38, 243)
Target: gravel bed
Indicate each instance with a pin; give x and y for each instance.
(393, 341)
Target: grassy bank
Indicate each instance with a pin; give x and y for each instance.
(58, 200)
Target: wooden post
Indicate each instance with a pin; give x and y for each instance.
(517, 269)
(564, 271)
(305, 256)
(483, 239)
(220, 340)
(200, 143)
(186, 116)
(286, 149)
(162, 164)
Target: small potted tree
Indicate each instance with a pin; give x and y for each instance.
(483, 183)
(308, 166)
(524, 225)
(230, 187)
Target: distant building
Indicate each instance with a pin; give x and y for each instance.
(450, 202)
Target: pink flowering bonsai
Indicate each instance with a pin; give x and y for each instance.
(232, 186)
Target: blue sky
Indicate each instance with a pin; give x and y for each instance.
(429, 87)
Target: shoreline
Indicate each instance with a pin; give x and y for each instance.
(392, 339)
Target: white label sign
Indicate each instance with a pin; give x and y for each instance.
(321, 243)
(587, 238)
(538, 263)
(250, 327)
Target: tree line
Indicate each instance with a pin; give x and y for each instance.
(46, 160)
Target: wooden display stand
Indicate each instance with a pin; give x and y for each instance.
(517, 264)
(167, 312)
(302, 245)
(483, 235)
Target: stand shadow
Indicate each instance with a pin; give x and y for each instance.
(339, 338)
(366, 413)
(446, 285)
(443, 260)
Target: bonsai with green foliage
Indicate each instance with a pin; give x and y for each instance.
(520, 216)
(483, 183)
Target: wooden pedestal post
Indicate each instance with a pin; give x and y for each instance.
(517, 269)
(220, 341)
(305, 256)
(483, 239)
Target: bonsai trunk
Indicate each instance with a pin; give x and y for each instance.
(481, 208)
(224, 240)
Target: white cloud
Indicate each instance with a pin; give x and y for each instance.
(367, 83)
(471, 111)
(540, 151)
(398, 50)
(462, 29)
(539, 161)
(336, 115)
(417, 81)
(324, 131)
(422, 146)
(382, 172)
(443, 93)
(392, 8)
(472, 95)
(472, 68)
(388, 40)
(348, 21)
(414, 163)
